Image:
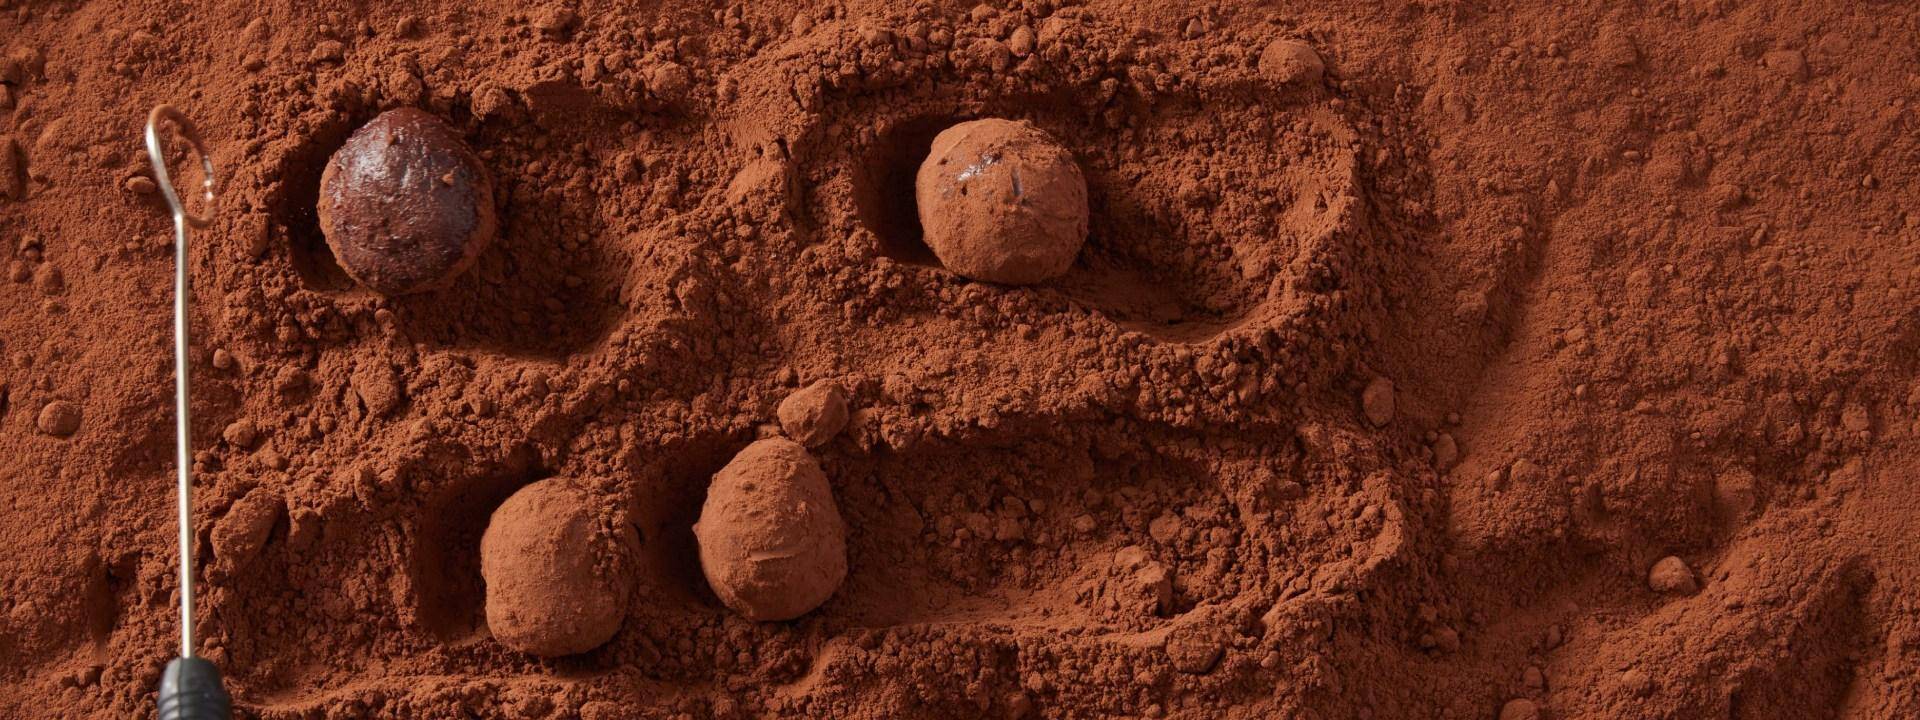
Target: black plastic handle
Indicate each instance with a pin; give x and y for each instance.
(191, 689)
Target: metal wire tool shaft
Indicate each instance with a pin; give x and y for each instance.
(191, 688)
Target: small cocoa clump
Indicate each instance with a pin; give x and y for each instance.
(557, 578)
(58, 418)
(771, 540)
(1671, 576)
(1376, 402)
(1002, 201)
(1520, 709)
(404, 204)
(1291, 61)
(240, 534)
(815, 414)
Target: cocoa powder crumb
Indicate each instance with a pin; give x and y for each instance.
(58, 418)
(1671, 576)
(1377, 401)
(327, 51)
(240, 433)
(815, 414)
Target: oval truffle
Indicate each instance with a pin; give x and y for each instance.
(557, 577)
(1002, 201)
(772, 544)
(404, 204)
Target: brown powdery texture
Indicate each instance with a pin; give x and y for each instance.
(1627, 283)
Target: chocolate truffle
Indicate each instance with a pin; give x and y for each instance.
(1001, 201)
(58, 418)
(404, 204)
(557, 576)
(771, 541)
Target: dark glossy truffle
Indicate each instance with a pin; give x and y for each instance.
(404, 204)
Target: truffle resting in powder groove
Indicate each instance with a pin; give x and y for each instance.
(1002, 201)
(772, 544)
(557, 576)
(405, 205)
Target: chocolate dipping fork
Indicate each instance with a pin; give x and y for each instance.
(191, 688)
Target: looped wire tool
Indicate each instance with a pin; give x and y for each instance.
(191, 687)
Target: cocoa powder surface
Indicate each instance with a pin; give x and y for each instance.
(1548, 359)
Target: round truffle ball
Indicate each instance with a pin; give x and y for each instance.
(58, 418)
(771, 540)
(558, 575)
(1001, 201)
(404, 204)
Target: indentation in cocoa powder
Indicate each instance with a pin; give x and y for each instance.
(883, 194)
(104, 596)
(544, 288)
(670, 491)
(447, 594)
(1184, 245)
(1032, 541)
(1186, 256)
(294, 204)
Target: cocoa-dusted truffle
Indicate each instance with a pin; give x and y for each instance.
(771, 540)
(1001, 201)
(557, 576)
(404, 204)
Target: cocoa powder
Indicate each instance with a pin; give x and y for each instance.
(1423, 359)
